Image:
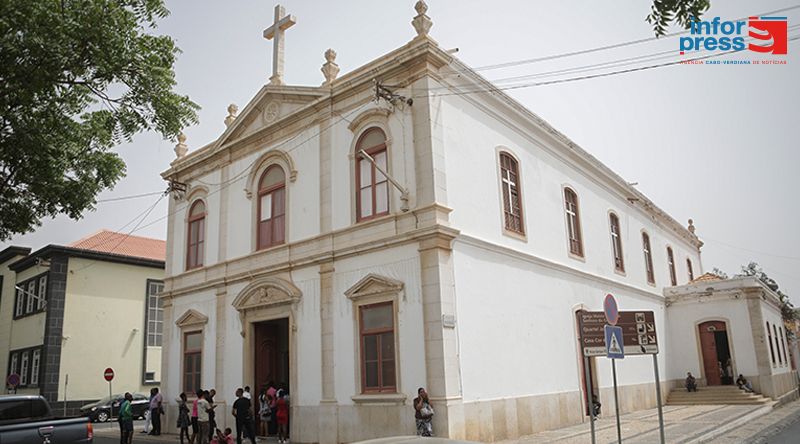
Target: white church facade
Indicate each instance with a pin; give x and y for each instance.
(354, 242)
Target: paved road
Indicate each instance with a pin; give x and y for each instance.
(789, 435)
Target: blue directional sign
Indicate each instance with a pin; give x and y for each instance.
(614, 344)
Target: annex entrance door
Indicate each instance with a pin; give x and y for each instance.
(271, 356)
(716, 353)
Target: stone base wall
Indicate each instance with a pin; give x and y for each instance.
(775, 386)
(73, 407)
(511, 418)
(484, 421)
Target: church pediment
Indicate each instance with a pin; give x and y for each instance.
(191, 318)
(266, 293)
(270, 105)
(373, 285)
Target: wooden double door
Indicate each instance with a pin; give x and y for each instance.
(715, 349)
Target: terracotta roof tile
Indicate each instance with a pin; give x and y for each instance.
(707, 277)
(106, 241)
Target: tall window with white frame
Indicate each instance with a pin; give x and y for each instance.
(192, 360)
(35, 358)
(377, 348)
(673, 278)
(783, 346)
(372, 187)
(616, 243)
(30, 297)
(573, 222)
(689, 269)
(20, 308)
(195, 245)
(512, 207)
(271, 208)
(42, 292)
(155, 314)
(648, 259)
(777, 344)
(23, 368)
(14, 366)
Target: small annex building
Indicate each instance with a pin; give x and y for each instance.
(68, 312)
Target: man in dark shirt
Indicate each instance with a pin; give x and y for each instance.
(243, 413)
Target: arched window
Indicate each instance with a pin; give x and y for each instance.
(648, 258)
(616, 242)
(512, 208)
(671, 264)
(689, 269)
(271, 208)
(372, 187)
(783, 346)
(195, 247)
(573, 222)
(771, 345)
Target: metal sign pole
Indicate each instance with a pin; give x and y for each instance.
(658, 400)
(616, 399)
(590, 401)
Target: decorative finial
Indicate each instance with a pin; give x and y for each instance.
(181, 148)
(330, 69)
(232, 110)
(422, 23)
(691, 226)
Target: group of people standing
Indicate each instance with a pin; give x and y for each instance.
(201, 416)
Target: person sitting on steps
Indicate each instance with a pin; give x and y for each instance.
(691, 383)
(744, 384)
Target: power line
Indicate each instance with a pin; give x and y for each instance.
(793, 258)
(133, 196)
(592, 76)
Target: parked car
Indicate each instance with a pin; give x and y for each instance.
(27, 419)
(108, 407)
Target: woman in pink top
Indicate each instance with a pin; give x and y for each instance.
(272, 399)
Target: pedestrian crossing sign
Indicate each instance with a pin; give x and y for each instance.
(614, 348)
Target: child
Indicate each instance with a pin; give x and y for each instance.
(223, 438)
(183, 418)
(282, 416)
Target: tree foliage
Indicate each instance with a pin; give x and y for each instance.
(78, 77)
(664, 12)
(755, 270)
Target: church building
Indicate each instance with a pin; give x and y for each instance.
(407, 224)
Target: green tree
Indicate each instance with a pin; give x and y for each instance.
(755, 270)
(78, 77)
(664, 12)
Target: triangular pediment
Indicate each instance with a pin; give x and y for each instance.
(267, 292)
(373, 285)
(271, 104)
(190, 318)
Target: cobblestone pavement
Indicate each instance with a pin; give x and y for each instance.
(762, 429)
(682, 424)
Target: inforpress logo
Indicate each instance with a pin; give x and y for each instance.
(718, 35)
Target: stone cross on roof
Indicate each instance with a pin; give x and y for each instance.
(275, 33)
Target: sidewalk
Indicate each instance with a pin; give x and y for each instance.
(682, 424)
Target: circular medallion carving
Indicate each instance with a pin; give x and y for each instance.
(271, 112)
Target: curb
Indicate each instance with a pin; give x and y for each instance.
(721, 430)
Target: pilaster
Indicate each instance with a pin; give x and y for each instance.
(54, 327)
(325, 173)
(441, 340)
(758, 326)
(219, 346)
(168, 384)
(222, 240)
(328, 409)
(429, 157)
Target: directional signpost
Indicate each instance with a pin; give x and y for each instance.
(616, 334)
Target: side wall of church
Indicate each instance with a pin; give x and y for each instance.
(520, 357)
(473, 138)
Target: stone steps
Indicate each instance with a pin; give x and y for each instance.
(715, 395)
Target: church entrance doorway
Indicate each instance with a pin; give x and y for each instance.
(271, 355)
(716, 353)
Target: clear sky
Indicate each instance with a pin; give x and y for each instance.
(718, 144)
